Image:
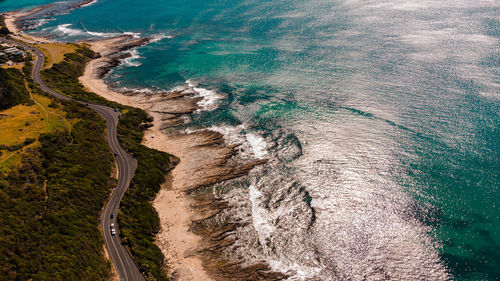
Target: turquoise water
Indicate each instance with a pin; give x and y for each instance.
(395, 105)
(21, 4)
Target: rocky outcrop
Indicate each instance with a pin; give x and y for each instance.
(113, 57)
(187, 208)
(208, 160)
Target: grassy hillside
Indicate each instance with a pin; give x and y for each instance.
(21, 124)
(55, 177)
(12, 88)
(51, 203)
(54, 52)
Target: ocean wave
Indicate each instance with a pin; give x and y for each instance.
(133, 34)
(38, 23)
(258, 145)
(88, 4)
(132, 60)
(148, 91)
(159, 37)
(66, 30)
(252, 145)
(102, 34)
(211, 98)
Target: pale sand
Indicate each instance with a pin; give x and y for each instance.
(10, 23)
(93, 84)
(172, 203)
(10, 20)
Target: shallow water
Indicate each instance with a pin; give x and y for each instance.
(381, 119)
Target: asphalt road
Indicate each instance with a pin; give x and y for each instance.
(125, 267)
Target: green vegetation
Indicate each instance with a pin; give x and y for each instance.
(29, 121)
(3, 28)
(51, 203)
(12, 88)
(4, 59)
(63, 76)
(137, 218)
(54, 52)
(24, 121)
(57, 181)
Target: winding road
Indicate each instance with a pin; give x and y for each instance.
(125, 267)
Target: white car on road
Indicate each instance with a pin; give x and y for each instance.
(112, 227)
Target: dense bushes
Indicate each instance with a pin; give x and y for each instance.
(63, 76)
(3, 28)
(138, 219)
(12, 88)
(51, 204)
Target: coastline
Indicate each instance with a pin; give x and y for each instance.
(172, 204)
(10, 22)
(193, 249)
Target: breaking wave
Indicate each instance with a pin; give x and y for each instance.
(67, 30)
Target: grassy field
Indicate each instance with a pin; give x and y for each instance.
(22, 122)
(15, 65)
(54, 52)
(55, 166)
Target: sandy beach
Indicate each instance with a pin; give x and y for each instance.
(205, 159)
(172, 203)
(96, 85)
(10, 23)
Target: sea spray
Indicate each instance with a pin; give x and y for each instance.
(210, 98)
(132, 60)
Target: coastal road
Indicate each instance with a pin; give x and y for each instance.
(125, 267)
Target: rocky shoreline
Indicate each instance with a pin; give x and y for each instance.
(193, 247)
(185, 204)
(22, 21)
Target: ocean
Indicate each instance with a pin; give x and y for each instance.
(381, 120)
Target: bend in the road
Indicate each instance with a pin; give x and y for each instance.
(122, 260)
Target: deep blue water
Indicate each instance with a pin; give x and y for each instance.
(395, 105)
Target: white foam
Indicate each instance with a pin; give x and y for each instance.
(102, 34)
(260, 215)
(258, 144)
(132, 60)
(41, 22)
(159, 37)
(64, 28)
(134, 34)
(262, 221)
(137, 90)
(88, 4)
(210, 99)
(251, 144)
